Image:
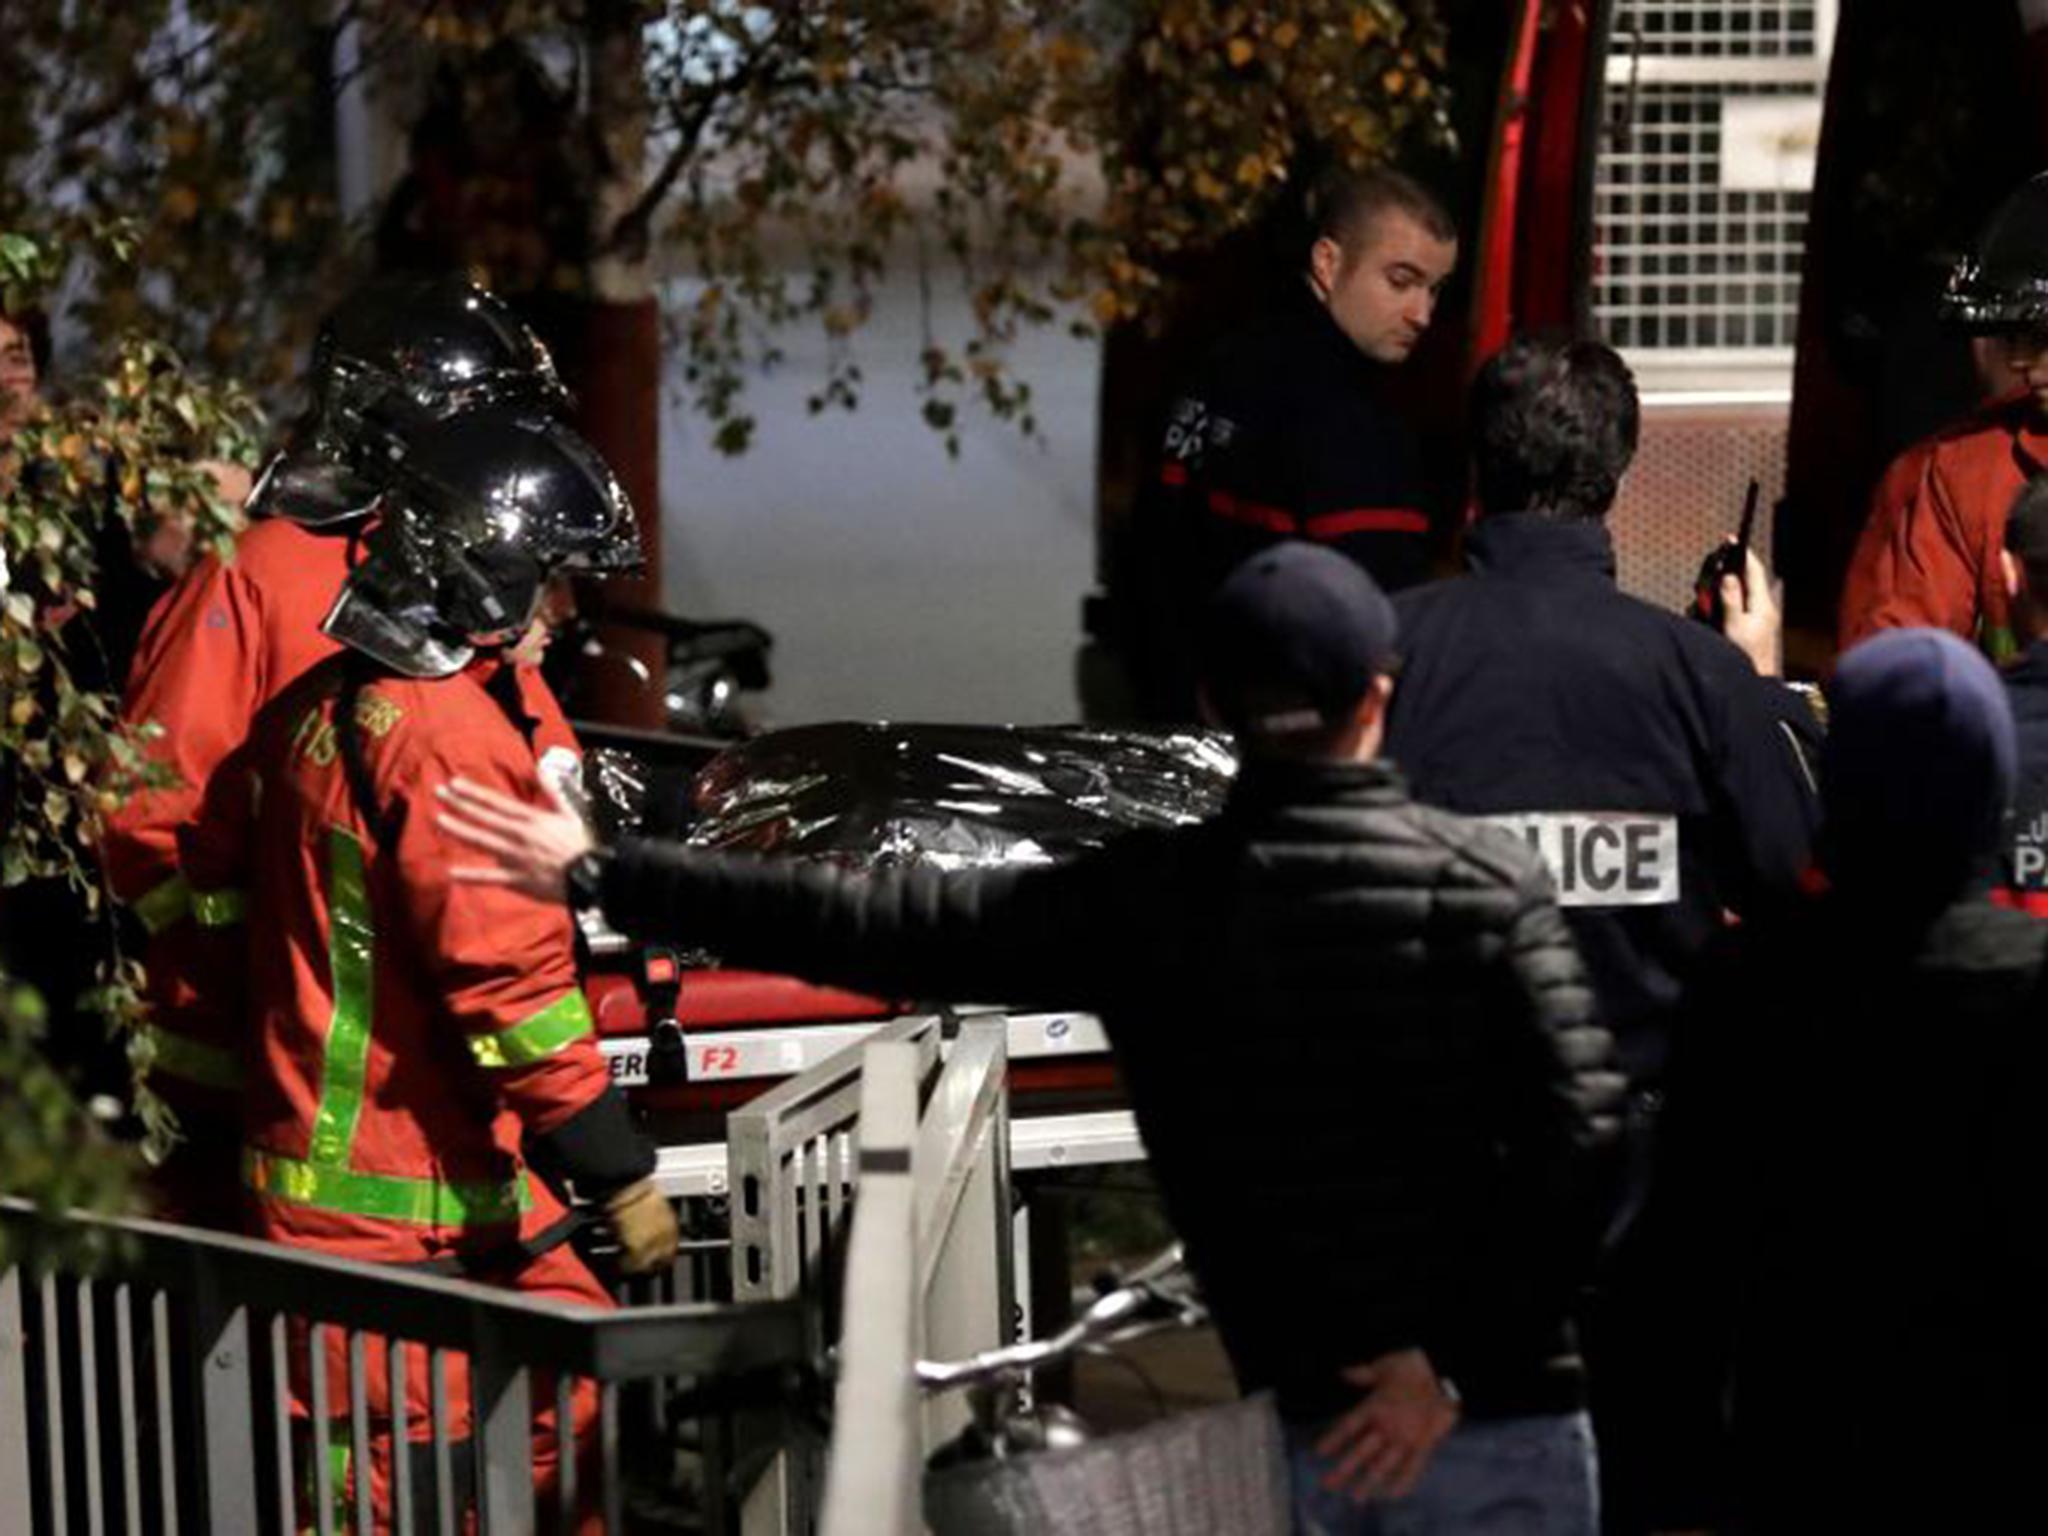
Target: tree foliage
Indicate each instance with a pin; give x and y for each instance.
(127, 449)
(169, 175)
(1056, 156)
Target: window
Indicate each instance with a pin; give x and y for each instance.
(1703, 181)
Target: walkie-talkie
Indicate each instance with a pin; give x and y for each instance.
(1723, 561)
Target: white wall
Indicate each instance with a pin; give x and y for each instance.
(899, 583)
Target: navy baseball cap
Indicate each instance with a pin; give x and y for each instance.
(1293, 639)
(1919, 766)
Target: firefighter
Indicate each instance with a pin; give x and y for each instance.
(410, 1036)
(1283, 433)
(1928, 555)
(234, 633)
(1659, 769)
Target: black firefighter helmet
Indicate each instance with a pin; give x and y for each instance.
(396, 353)
(2004, 285)
(479, 511)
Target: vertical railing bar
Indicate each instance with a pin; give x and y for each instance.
(809, 1214)
(17, 1513)
(401, 1435)
(125, 1405)
(501, 1434)
(608, 1444)
(166, 1426)
(323, 1469)
(281, 1419)
(94, 1488)
(444, 1463)
(217, 1343)
(359, 1427)
(53, 1402)
(565, 1449)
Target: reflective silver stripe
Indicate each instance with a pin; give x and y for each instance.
(1603, 858)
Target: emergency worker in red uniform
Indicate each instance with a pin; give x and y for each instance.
(415, 1041)
(233, 634)
(1929, 554)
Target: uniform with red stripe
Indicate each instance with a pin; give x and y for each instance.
(1282, 435)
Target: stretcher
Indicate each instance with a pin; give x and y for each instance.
(690, 1041)
(690, 1045)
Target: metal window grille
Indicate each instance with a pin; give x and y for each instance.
(1684, 262)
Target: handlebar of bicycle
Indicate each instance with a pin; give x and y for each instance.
(1151, 1299)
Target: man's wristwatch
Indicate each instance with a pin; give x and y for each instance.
(584, 879)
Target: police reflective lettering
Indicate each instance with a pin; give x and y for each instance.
(1603, 858)
(2027, 853)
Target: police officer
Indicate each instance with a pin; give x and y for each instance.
(2023, 567)
(1655, 766)
(233, 634)
(1929, 553)
(1283, 434)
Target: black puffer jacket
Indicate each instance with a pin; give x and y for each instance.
(1357, 1038)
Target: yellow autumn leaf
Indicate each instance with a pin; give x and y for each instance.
(1240, 52)
(1106, 307)
(180, 203)
(1393, 81)
(1286, 35)
(1251, 170)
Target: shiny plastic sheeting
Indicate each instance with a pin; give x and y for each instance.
(953, 796)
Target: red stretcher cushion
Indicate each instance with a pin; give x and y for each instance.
(728, 999)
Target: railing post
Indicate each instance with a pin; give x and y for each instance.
(501, 1407)
(217, 1347)
(871, 1485)
(17, 1515)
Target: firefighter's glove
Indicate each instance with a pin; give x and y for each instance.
(646, 1227)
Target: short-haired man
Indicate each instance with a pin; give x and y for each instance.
(1436, 1072)
(1657, 767)
(1284, 432)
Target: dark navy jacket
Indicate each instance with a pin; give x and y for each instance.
(2024, 858)
(1281, 434)
(1663, 781)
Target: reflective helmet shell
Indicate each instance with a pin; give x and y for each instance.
(394, 354)
(2003, 285)
(482, 509)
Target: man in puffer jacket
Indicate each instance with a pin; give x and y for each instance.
(1359, 1043)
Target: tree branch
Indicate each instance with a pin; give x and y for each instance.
(691, 119)
(129, 93)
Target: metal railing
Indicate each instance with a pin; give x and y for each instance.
(198, 1382)
(928, 1254)
(793, 1154)
(184, 1387)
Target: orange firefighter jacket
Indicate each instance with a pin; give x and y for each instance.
(405, 1029)
(1928, 554)
(217, 647)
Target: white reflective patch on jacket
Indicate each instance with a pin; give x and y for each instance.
(1602, 858)
(2026, 854)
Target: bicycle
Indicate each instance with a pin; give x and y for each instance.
(1023, 1469)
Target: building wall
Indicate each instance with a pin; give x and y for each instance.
(898, 582)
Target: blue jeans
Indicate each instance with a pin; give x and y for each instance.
(1489, 1477)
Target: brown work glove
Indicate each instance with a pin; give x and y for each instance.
(646, 1226)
